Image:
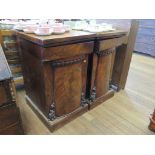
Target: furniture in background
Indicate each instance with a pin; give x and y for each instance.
(10, 120)
(10, 48)
(145, 41)
(66, 75)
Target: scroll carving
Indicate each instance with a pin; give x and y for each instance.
(51, 114)
(93, 94)
(84, 101)
(105, 52)
(68, 62)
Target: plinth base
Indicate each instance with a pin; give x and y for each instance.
(58, 122)
(101, 99)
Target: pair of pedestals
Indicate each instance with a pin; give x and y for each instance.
(69, 74)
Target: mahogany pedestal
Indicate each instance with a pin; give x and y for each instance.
(65, 75)
(102, 62)
(55, 75)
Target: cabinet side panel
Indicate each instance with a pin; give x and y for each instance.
(33, 77)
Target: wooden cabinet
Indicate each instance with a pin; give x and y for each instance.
(55, 77)
(102, 63)
(10, 121)
(66, 74)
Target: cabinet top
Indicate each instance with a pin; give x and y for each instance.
(68, 37)
(5, 72)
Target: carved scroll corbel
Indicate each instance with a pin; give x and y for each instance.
(93, 94)
(105, 52)
(84, 101)
(51, 114)
(67, 62)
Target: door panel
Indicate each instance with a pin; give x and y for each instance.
(103, 75)
(67, 87)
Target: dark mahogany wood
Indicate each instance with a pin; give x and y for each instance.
(60, 70)
(55, 74)
(102, 63)
(10, 121)
(71, 37)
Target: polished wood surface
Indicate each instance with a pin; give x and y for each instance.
(110, 43)
(102, 75)
(58, 52)
(126, 113)
(73, 36)
(102, 67)
(55, 77)
(59, 76)
(56, 73)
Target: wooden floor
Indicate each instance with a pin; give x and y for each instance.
(126, 113)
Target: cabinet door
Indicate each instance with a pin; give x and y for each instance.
(68, 85)
(104, 68)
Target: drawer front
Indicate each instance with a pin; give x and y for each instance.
(57, 52)
(146, 31)
(8, 115)
(142, 38)
(111, 43)
(145, 48)
(54, 53)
